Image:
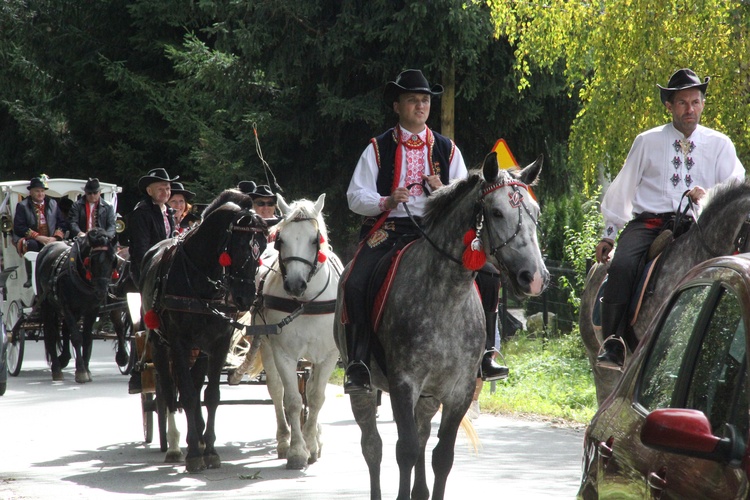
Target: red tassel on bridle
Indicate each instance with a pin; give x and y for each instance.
(225, 260)
(151, 320)
(322, 257)
(474, 257)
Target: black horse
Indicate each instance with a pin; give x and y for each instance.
(192, 287)
(72, 282)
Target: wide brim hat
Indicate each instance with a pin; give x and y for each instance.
(37, 182)
(92, 186)
(682, 79)
(262, 191)
(246, 187)
(410, 80)
(155, 175)
(178, 188)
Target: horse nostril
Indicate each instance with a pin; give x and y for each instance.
(525, 277)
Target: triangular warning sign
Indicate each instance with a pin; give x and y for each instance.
(505, 158)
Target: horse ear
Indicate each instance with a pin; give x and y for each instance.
(490, 168)
(530, 174)
(282, 204)
(319, 204)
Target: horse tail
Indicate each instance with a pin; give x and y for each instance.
(471, 433)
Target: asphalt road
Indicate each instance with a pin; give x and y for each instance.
(63, 440)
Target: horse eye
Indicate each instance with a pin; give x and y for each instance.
(496, 212)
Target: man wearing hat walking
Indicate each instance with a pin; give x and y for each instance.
(404, 164)
(37, 221)
(91, 211)
(681, 157)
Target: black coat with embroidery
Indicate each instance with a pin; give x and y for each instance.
(105, 217)
(146, 228)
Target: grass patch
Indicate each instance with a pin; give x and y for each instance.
(550, 378)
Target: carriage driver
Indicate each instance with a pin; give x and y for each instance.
(37, 221)
(663, 163)
(150, 222)
(91, 211)
(401, 165)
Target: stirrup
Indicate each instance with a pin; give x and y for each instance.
(612, 366)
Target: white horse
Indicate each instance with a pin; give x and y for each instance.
(299, 294)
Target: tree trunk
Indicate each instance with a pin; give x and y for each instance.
(448, 103)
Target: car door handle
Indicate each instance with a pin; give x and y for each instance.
(658, 480)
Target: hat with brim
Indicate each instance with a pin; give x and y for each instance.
(154, 175)
(263, 191)
(680, 80)
(246, 187)
(92, 186)
(37, 182)
(410, 80)
(178, 188)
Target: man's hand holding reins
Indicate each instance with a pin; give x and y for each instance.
(399, 195)
(696, 194)
(433, 181)
(603, 250)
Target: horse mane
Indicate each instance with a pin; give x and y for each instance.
(229, 196)
(721, 197)
(304, 209)
(443, 201)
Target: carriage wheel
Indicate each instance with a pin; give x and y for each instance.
(147, 406)
(130, 348)
(3, 386)
(14, 353)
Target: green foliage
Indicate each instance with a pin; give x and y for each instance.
(615, 52)
(551, 378)
(580, 245)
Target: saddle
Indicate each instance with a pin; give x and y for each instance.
(380, 282)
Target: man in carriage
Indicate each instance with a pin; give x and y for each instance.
(91, 211)
(400, 166)
(37, 222)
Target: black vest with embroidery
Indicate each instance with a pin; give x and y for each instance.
(385, 152)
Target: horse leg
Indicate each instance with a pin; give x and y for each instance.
(425, 410)
(50, 326)
(407, 445)
(442, 455)
(286, 366)
(118, 319)
(87, 342)
(276, 391)
(364, 408)
(190, 400)
(165, 392)
(212, 398)
(70, 325)
(316, 396)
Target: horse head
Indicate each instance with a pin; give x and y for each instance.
(239, 236)
(301, 240)
(97, 261)
(723, 227)
(509, 216)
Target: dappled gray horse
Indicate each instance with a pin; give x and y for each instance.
(431, 337)
(721, 230)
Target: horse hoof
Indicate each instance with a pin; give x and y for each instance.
(194, 465)
(121, 358)
(174, 457)
(82, 377)
(298, 463)
(212, 461)
(234, 378)
(57, 376)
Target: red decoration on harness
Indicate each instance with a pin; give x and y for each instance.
(474, 257)
(322, 240)
(151, 320)
(322, 257)
(87, 262)
(469, 236)
(225, 260)
(115, 275)
(88, 275)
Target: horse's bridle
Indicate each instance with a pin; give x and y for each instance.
(312, 264)
(516, 201)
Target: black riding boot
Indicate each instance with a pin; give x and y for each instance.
(357, 376)
(489, 369)
(28, 273)
(613, 349)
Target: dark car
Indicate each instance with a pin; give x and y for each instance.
(676, 425)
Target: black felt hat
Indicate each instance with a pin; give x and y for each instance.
(262, 191)
(178, 188)
(246, 187)
(92, 186)
(155, 175)
(37, 182)
(410, 80)
(680, 80)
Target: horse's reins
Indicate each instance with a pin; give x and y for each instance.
(480, 217)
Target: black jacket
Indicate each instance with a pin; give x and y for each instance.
(146, 228)
(105, 217)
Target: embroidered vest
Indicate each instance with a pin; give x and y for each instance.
(439, 153)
